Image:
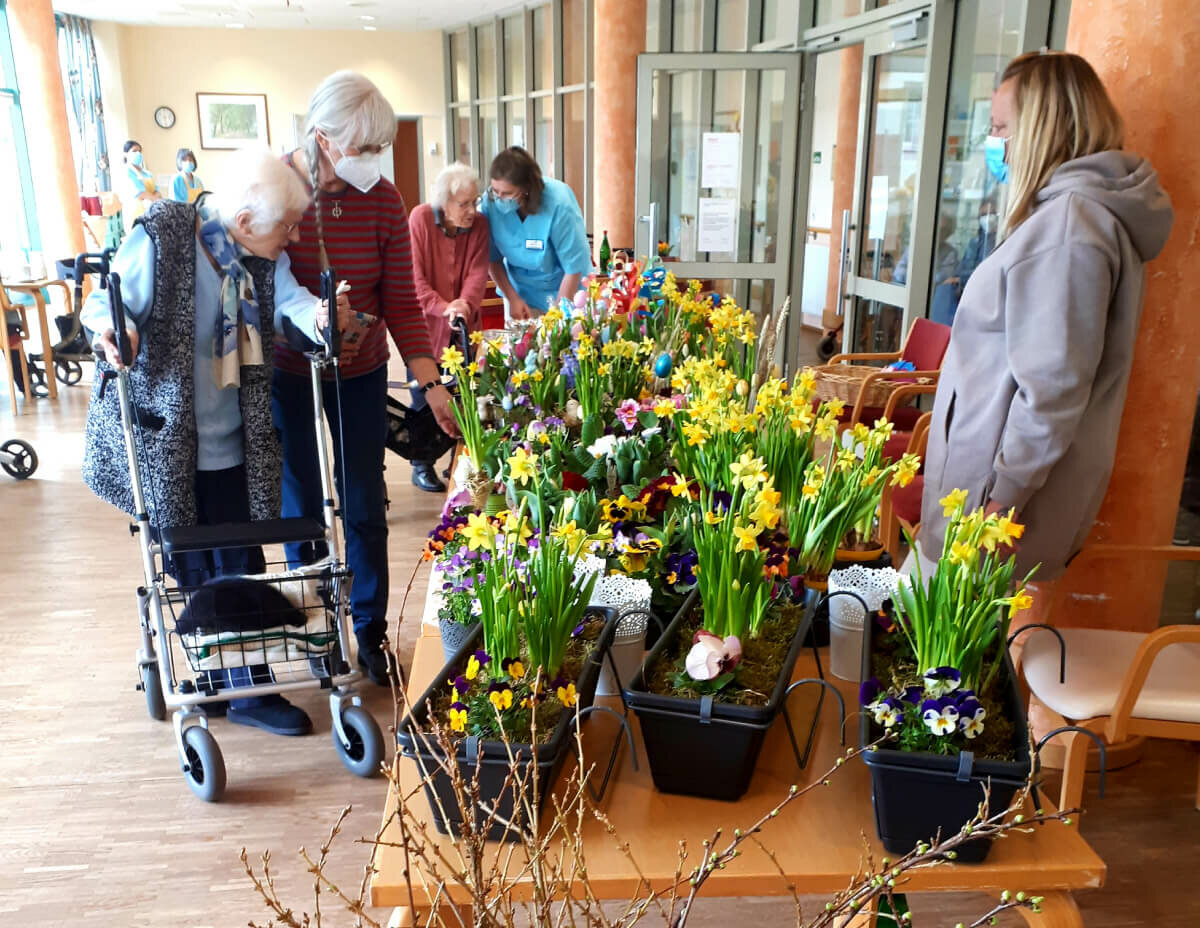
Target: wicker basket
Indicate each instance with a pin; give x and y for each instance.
(844, 381)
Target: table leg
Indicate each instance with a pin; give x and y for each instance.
(47, 345)
(1058, 910)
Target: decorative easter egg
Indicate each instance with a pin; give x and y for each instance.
(662, 365)
(602, 304)
(581, 299)
(605, 336)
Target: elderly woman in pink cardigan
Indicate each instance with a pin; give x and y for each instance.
(450, 268)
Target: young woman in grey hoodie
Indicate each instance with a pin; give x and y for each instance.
(1033, 384)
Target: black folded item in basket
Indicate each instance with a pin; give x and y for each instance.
(237, 604)
(414, 434)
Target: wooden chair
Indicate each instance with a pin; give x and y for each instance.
(900, 507)
(924, 348)
(13, 346)
(1118, 684)
(491, 308)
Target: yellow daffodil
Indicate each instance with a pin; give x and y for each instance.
(519, 378)
(1019, 603)
(808, 381)
(871, 476)
(521, 466)
(714, 518)
(826, 428)
(836, 408)
(602, 370)
(695, 433)
(452, 359)
(963, 553)
(1012, 530)
(537, 376)
(747, 536)
(680, 485)
(809, 491)
(473, 368)
(748, 470)
(479, 532)
(860, 432)
(518, 527)
(664, 409)
(476, 338)
(953, 500)
(906, 470)
(846, 459)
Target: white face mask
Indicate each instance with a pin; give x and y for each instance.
(987, 222)
(361, 172)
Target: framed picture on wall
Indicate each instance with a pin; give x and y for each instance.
(233, 120)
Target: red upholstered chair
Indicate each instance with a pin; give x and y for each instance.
(924, 348)
(900, 507)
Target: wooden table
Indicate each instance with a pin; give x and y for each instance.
(818, 839)
(34, 288)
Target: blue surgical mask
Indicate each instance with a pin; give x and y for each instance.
(136, 159)
(189, 166)
(504, 206)
(994, 151)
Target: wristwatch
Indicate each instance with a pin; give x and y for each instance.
(426, 387)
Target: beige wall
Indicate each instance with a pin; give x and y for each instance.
(167, 66)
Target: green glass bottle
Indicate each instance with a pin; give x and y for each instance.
(605, 254)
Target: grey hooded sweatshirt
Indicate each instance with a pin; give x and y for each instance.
(1033, 384)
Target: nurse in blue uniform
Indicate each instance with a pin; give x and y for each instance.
(539, 250)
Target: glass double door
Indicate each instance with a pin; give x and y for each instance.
(716, 169)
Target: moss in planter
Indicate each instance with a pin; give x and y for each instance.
(756, 675)
(893, 665)
(518, 722)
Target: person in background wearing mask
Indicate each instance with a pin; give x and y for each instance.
(539, 248)
(187, 185)
(450, 245)
(140, 188)
(979, 247)
(1033, 385)
(356, 224)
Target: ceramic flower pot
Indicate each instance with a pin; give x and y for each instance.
(490, 759)
(454, 636)
(701, 747)
(916, 794)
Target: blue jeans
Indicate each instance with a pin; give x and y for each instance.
(363, 497)
(221, 496)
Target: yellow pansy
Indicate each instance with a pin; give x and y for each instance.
(952, 501)
(567, 695)
(473, 667)
(521, 466)
(501, 699)
(458, 719)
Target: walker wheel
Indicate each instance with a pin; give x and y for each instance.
(152, 687)
(205, 772)
(18, 458)
(68, 372)
(37, 382)
(365, 751)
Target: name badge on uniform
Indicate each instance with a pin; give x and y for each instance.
(535, 244)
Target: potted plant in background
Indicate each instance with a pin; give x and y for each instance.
(476, 440)
(938, 680)
(513, 687)
(863, 485)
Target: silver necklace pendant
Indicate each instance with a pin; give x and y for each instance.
(337, 210)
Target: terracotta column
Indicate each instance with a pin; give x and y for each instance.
(850, 61)
(620, 32)
(1144, 51)
(44, 105)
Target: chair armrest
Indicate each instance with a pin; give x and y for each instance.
(865, 356)
(1115, 729)
(903, 392)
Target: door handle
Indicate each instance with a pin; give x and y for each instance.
(840, 304)
(651, 219)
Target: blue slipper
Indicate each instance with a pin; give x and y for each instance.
(270, 713)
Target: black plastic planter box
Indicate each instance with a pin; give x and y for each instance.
(916, 794)
(492, 757)
(703, 747)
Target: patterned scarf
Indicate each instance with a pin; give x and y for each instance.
(236, 339)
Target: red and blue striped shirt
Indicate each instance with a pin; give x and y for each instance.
(367, 241)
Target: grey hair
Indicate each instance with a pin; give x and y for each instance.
(259, 183)
(453, 179)
(348, 109)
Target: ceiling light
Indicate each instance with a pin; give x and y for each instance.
(366, 18)
(370, 28)
(235, 25)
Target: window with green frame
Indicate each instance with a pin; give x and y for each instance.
(18, 213)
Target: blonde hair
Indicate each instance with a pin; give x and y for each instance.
(1063, 112)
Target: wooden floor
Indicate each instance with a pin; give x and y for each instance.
(98, 828)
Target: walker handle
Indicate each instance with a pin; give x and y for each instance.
(333, 332)
(117, 308)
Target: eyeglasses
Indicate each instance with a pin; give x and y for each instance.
(289, 227)
(493, 196)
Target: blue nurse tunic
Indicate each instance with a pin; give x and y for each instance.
(541, 249)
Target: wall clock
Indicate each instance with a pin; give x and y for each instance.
(165, 117)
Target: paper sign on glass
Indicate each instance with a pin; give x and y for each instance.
(720, 154)
(717, 225)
